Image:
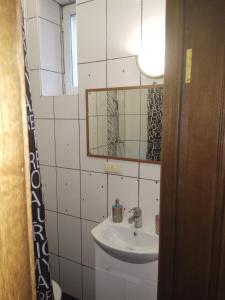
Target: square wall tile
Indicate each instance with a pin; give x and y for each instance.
(49, 10)
(69, 237)
(70, 278)
(87, 162)
(67, 143)
(132, 101)
(91, 24)
(149, 201)
(93, 134)
(102, 131)
(24, 8)
(93, 196)
(51, 83)
(123, 72)
(33, 43)
(125, 189)
(128, 168)
(92, 104)
(143, 149)
(48, 178)
(132, 127)
(152, 12)
(88, 244)
(31, 6)
(150, 171)
(54, 267)
(132, 149)
(66, 107)
(92, 75)
(144, 125)
(68, 191)
(101, 98)
(123, 28)
(51, 230)
(42, 106)
(45, 141)
(50, 46)
(88, 284)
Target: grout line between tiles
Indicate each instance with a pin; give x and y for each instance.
(50, 21)
(60, 119)
(68, 215)
(107, 59)
(78, 4)
(84, 170)
(73, 261)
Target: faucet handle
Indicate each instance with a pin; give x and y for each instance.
(136, 211)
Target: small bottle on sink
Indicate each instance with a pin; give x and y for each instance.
(117, 212)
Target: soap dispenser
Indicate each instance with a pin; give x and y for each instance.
(117, 212)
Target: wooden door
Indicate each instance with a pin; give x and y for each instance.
(16, 245)
(192, 184)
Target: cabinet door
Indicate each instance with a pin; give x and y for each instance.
(142, 290)
(109, 286)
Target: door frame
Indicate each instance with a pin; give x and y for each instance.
(175, 238)
(17, 276)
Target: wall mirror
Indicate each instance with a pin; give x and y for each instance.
(125, 123)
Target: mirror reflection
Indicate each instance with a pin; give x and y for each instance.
(125, 123)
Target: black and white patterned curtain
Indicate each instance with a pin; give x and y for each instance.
(154, 123)
(112, 123)
(42, 272)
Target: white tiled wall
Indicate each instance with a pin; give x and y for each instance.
(69, 244)
(124, 29)
(43, 23)
(70, 278)
(91, 22)
(77, 191)
(50, 34)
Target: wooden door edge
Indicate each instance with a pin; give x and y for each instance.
(170, 145)
(26, 154)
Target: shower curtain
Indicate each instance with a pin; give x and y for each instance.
(154, 123)
(112, 123)
(43, 278)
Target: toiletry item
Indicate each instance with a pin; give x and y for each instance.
(117, 212)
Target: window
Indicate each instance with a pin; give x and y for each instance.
(70, 49)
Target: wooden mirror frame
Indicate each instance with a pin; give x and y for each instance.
(87, 122)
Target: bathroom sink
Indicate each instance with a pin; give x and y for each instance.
(123, 241)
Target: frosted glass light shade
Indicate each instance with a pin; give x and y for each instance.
(151, 62)
(151, 57)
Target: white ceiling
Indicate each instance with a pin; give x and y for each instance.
(64, 2)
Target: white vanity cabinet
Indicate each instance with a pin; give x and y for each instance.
(120, 280)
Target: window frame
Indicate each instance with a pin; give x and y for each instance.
(68, 12)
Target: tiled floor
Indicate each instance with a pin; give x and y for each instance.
(67, 297)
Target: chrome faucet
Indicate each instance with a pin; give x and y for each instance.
(136, 218)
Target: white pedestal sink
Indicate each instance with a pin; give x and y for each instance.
(124, 242)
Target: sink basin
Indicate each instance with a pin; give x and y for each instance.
(123, 241)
